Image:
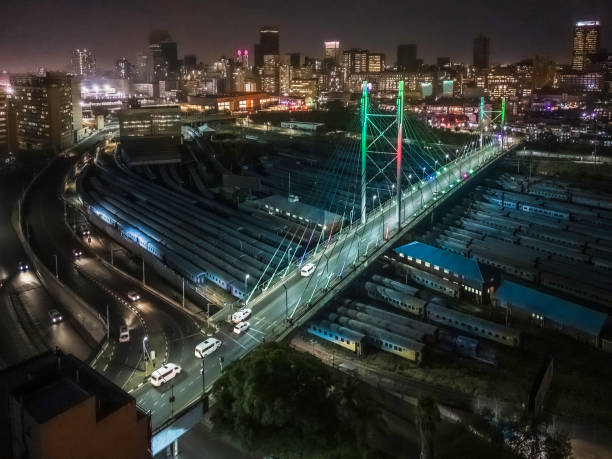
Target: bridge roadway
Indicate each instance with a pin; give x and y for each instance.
(175, 332)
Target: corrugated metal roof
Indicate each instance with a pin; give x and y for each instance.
(551, 307)
(465, 267)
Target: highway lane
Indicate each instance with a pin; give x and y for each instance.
(23, 290)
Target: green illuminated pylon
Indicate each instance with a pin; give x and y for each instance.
(400, 122)
(364, 147)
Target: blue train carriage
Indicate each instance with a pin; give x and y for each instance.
(473, 325)
(396, 299)
(334, 333)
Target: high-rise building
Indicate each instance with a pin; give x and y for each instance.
(142, 68)
(407, 58)
(587, 37)
(56, 406)
(376, 62)
(295, 59)
(83, 62)
(332, 52)
(356, 60)
(189, 62)
(481, 52)
(268, 44)
(5, 91)
(123, 68)
(269, 78)
(43, 107)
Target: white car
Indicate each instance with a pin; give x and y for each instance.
(307, 269)
(124, 334)
(207, 347)
(55, 316)
(23, 266)
(133, 296)
(77, 253)
(164, 374)
(241, 315)
(241, 327)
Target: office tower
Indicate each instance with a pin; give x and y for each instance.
(294, 59)
(142, 68)
(356, 60)
(83, 62)
(44, 111)
(169, 53)
(268, 44)
(189, 62)
(123, 68)
(443, 62)
(407, 58)
(4, 118)
(376, 62)
(269, 79)
(587, 37)
(481, 52)
(332, 52)
(54, 406)
(242, 57)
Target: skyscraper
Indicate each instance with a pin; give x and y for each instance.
(123, 68)
(4, 118)
(44, 111)
(356, 60)
(268, 44)
(407, 57)
(376, 62)
(332, 52)
(269, 80)
(587, 37)
(481, 52)
(83, 62)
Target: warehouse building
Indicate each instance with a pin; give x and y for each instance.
(475, 280)
(581, 323)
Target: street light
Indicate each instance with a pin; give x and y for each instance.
(56, 275)
(246, 278)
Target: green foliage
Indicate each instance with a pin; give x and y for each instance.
(290, 404)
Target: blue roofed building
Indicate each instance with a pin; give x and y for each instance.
(581, 323)
(474, 279)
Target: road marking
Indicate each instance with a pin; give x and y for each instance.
(252, 329)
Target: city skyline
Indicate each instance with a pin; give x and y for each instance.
(195, 26)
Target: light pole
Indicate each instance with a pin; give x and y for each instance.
(436, 175)
(246, 278)
(145, 352)
(448, 172)
(56, 274)
(286, 303)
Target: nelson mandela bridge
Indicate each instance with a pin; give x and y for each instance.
(388, 174)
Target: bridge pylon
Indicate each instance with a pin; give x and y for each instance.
(491, 117)
(370, 143)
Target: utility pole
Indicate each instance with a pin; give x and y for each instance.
(107, 323)
(183, 293)
(56, 273)
(143, 272)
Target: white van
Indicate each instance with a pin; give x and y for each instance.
(307, 269)
(124, 334)
(207, 347)
(164, 374)
(241, 315)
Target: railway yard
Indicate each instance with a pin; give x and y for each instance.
(514, 272)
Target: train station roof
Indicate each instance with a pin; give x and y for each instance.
(467, 268)
(550, 307)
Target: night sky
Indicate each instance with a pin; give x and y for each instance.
(35, 33)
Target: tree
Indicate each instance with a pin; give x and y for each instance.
(427, 418)
(287, 403)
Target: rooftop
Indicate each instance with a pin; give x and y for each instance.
(553, 308)
(469, 269)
